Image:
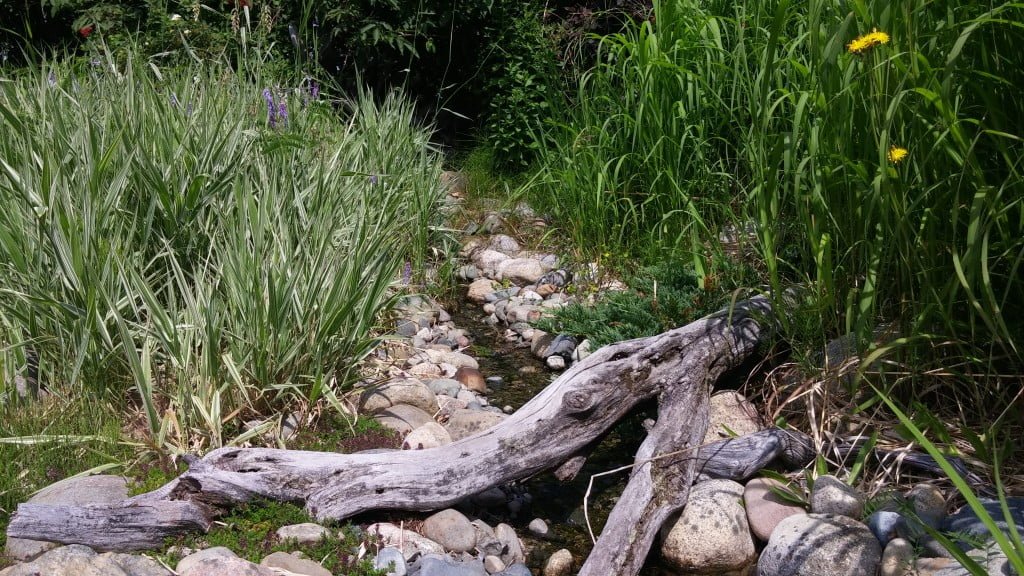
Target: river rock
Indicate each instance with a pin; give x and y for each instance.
(445, 386)
(392, 560)
(77, 560)
(488, 261)
(521, 270)
(555, 362)
(294, 564)
(885, 525)
(451, 529)
(538, 527)
(540, 344)
(504, 244)
(427, 371)
(584, 350)
(403, 418)
(492, 224)
(830, 495)
(559, 564)
(305, 533)
(444, 566)
(820, 545)
(456, 359)
(99, 489)
(523, 313)
(730, 413)
(467, 272)
(765, 508)
(429, 435)
(394, 392)
(480, 289)
(513, 545)
(965, 521)
(409, 542)
(518, 569)
(898, 558)
(493, 564)
(472, 379)
(929, 504)
(557, 278)
(712, 535)
(194, 558)
(227, 567)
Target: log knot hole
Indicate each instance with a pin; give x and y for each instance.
(579, 401)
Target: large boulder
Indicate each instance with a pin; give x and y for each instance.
(820, 545)
(521, 270)
(100, 489)
(464, 423)
(394, 392)
(711, 535)
(77, 560)
(409, 542)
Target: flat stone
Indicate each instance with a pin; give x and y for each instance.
(294, 564)
(493, 564)
(965, 521)
(403, 418)
(444, 566)
(196, 557)
(465, 423)
(305, 533)
(712, 535)
(457, 359)
(77, 560)
(409, 542)
(822, 545)
(558, 564)
(227, 567)
(830, 495)
(729, 414)
(451, 529)
(394, 392)
(429, 435)
(765, 508)
(555, 362)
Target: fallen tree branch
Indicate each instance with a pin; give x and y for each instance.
(678, 367)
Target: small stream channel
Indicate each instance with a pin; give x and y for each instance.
(560, 504)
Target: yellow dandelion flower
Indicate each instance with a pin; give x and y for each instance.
(862, 44)
(897, 154)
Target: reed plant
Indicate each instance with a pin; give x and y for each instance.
(874, 149)
(201, 241)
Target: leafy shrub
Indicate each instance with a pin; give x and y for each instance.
(659, 298)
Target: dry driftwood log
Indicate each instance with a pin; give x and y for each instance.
(678, 367)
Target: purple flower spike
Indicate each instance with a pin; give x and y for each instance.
(314, 90)
(373, 179)
(271, 111)
(407, 273)
(282, 110)
(174, 100)
(51, 78)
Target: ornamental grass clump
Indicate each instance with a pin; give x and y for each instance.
(207, 265)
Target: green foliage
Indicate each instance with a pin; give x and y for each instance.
(754, 112)
(46, 441)
(521, 78)
(249, 531)
(659, 298)
(164, 238)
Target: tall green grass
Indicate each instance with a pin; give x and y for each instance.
(163, 239)
(757, 112)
